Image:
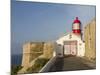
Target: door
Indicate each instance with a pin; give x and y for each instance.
(67, 49)
(73, 48)
(70, 47)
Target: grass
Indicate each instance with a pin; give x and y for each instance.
(39, 63)
(15, 69)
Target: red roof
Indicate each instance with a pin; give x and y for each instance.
(76, 20)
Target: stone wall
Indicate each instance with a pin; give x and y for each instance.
(31, 50)
(48, 50)
(90, 40)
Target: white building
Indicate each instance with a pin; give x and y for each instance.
(71, 44)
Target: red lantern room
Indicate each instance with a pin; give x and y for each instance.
(76, 27)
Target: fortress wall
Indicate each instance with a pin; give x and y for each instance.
(31, 50)
(48, 50)
(90, 40)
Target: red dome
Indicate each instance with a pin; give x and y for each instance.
(76, 20)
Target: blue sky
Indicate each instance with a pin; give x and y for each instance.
(34, 21)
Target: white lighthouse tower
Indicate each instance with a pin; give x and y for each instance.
(76, 27)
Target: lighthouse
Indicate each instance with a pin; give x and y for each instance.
(76, 27)
(71, 43)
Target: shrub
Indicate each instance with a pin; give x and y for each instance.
(15, 69)
(39, 63)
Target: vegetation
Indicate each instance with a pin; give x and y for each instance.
(39, 63)
(15, 69)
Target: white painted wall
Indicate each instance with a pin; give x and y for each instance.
(81, 51)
